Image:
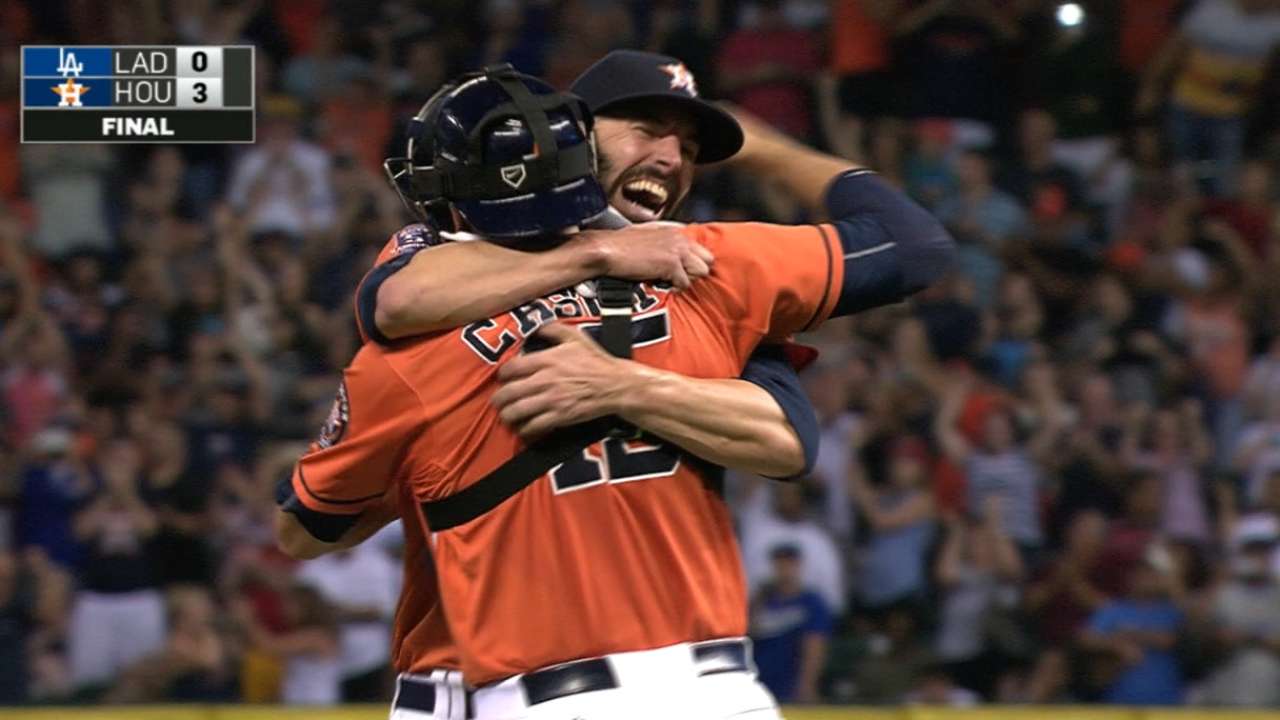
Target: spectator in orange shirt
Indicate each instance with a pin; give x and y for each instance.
(859, 84)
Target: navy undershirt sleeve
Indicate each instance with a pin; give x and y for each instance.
(367, 295)
(325, 527)
(892, 246)
(769, 368)
(410, 240)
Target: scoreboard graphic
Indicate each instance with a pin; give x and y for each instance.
(137, 94)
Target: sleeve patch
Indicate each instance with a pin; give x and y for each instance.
(335, 426)
(412, 238)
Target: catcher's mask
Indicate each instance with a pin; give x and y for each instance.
(510, 154)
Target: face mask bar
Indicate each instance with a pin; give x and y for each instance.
(422, 181)
(402, 171)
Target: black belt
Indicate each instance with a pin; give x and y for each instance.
(722, 656)
(419, 695)
(583, 676)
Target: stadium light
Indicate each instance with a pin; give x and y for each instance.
(1070, 14)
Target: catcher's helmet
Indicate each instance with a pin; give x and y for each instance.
(508, 152)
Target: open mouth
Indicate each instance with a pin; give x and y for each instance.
(642, 199)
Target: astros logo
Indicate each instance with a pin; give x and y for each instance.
(70, 92)
(681, 78)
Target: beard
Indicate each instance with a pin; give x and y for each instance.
(641, 194)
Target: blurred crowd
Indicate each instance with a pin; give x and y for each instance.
(1054, 477)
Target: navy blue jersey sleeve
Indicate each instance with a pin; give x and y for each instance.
(367, 296)
(770, 369)
(322, 526)
(399, 250)
(893, 248)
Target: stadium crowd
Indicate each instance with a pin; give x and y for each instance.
(1054, 477)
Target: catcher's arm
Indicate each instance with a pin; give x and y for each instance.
(296, 540)
(455, 283)
(761, 423)
(755, 424)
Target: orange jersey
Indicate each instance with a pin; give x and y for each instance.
(420, 640)
(624, 547)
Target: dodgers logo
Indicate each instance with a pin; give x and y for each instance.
(67, 63)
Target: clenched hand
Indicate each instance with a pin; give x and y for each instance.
(652, 251)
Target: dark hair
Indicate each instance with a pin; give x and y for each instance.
(789, 551)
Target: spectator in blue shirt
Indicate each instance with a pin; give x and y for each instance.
(53, 487)
(790, 626)
(1138, 633)
(983, 219)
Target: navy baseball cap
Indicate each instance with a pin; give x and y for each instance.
(626, 75)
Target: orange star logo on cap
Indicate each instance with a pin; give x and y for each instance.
(681, 78)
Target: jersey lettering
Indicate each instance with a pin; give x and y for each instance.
(474, 336)
(566, 304)
(533, 316)
(646, 299)
(615, 460)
